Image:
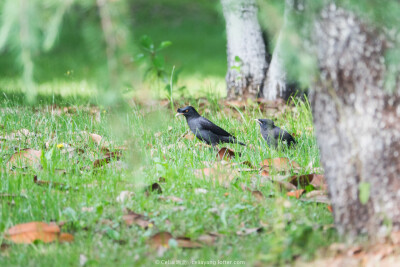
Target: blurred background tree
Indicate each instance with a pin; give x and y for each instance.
(73, 41)
(57, 40)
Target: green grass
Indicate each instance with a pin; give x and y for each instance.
(196, 30)
(292, 229)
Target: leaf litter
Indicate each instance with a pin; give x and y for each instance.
(27, 233)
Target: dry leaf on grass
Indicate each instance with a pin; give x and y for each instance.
(279, 164)
(297, 193)
(208, 239)
(85, 137)
(25, 158)
(65, 237)
(162, 239)
(108, 157)
(258, 195)
(279, 181)
(226, 154)
(185, 242)
(255, 193)
(317, 180)
(264, 171)
(49, 183)
(134, 218)
(27, 233)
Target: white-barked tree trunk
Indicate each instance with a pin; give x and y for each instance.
(246, 53)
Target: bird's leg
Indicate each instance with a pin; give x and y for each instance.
(215, 146)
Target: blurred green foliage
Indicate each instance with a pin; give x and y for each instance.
(66, 40)
(95, 40)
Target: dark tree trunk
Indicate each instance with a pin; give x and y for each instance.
(247, 63)
(357, 124)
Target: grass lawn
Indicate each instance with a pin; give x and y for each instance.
(86, 205)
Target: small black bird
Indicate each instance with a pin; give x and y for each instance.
(273, 134)
(204, 129)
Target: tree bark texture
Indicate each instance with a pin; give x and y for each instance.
(357, 124)
(245, 77)
(275, 81)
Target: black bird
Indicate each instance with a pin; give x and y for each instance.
(204, 129)
(273, 134)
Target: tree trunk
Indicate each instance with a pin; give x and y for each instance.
(247, 63)
(275, 82)
(357, 124)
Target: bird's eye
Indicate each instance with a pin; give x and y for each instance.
(187, 111)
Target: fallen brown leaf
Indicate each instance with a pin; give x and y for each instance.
(297, 193)
(225, 154)
(255, 193)
(25, 158)
(65, 237)
(208, 239)
(258, 195)
(160, 240)
(279, 181)
(85, 137)
(134, 218)
(264, 170)
(317, 180)
(185, 242)
(49, 183)
(280, 164)
(27, 233)
(108, 157)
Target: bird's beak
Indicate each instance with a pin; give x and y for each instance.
(178, 114)
(259, 122)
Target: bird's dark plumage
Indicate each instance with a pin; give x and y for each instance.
(273, 134)
(204, 129)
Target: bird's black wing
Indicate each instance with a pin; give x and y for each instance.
(283, 135)
(208, 125)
